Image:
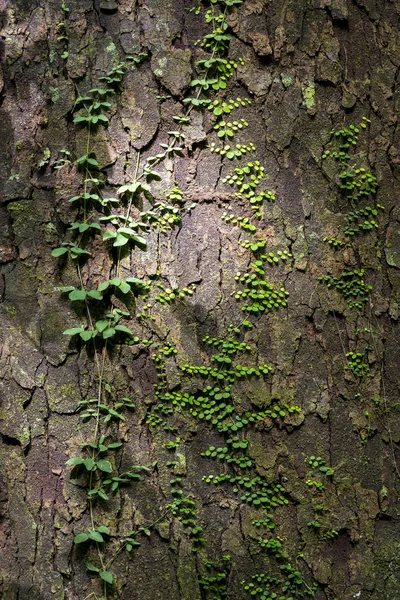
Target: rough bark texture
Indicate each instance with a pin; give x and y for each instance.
(310, 66)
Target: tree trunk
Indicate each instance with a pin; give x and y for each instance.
(319, 425)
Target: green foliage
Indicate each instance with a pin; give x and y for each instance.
(183, 508)
(260, 296)
(105, 328)
(228, 129)
(232, 152)
(316, 462)
(263, 586)
(95, 103)
(351, 286)
(356, 225)
(63, 160)
(255, 491)
(334, 242)
(267, 522)
(168, 295)
(330, 534)
(356, 183)
(225, 107)
(216, 582)
(223, 454)
(246, 179)
(243, 222)
(92, 535)
(97, 464)
(357, 362)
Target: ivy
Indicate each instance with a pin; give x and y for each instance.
(208, 393)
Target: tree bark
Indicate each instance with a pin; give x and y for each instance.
(309, 67)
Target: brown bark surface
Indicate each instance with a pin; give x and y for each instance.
(310, 66)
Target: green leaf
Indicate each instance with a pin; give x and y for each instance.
(104, 465)
(80, 119)
(125, 287)
(103, 286)
(134, 281)
(104, 529)
(101, 325)
(89, 464)
(123, 329)
(95, 294)
(75, 225)
(139, 240)
(75, 461)
(76, 252)
(95, 536)
(91, 567)
(73, 331)
(116, 281)
(115, 445)
(116, 414)
(77, 295)
(127, 230)
(107, 576)
(107, 235)
(87, 335)
(82, 100)
(59, 251)
(107, 333)
(134, 542)
(120, 240)
(80, 538)
(132, 188)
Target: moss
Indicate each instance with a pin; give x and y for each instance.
(188, 580)
(63, 398)
(180, 467)
(11, 311)
(16, 207)
(265, 458)
(308, 93)
(50, 232)
(287, 80)
(24, 218)
(111, 48)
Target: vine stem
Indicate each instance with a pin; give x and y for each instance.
(100, 359)
(100, 366)
(128, 210)
(190, 108)
(111, 560)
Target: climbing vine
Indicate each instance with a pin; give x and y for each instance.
(358, 186)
